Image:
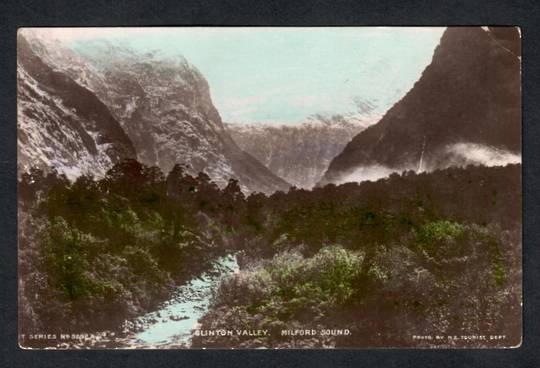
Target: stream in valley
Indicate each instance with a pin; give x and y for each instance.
(170, 326)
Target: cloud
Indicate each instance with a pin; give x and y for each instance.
(366, 173)
(459, 154)
(471, 153)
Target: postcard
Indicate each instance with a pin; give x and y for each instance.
(269, 187)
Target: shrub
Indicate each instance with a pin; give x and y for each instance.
(440, 239)
(443, 230)
(290, 284)
(65, 258)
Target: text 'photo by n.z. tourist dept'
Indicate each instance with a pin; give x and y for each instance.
(269, 187)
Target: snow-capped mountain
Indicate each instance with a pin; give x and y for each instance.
(164, 106)
(465, 109)
(300, 153)
(62, 124)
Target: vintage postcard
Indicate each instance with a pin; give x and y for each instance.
(278, 188)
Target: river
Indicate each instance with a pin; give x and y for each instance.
(170, 326)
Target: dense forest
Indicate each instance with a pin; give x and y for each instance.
(412, 254)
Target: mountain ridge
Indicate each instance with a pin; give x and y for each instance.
(299, 153)
(164, 107)
(469, 94)
(61, 123)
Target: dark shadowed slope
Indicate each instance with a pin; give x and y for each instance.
(466, 108)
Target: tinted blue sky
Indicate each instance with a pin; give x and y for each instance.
(286, 74)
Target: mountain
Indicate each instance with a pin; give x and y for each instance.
(299, 153)
(465, 109)
(164, 106)
(62, 124)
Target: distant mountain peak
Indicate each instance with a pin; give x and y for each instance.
(300, 153)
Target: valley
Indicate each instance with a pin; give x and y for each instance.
(146, 221)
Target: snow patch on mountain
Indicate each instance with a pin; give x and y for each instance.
(164, 106)
(46, 136)
(300, 153)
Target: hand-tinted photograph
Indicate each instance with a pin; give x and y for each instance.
(269, 187)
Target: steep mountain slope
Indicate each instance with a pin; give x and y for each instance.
(62, 124)
(466, 108)
(164, 105)
(299, 153)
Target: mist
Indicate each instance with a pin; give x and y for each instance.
(367, 173)
(476, 154)
(459, 155)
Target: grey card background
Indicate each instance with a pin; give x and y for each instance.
(313, 13)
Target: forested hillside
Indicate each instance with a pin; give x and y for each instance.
(411, 254)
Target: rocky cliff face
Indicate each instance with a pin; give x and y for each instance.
(465, 109)
(299, 153)
(62, 124)
(165, 108)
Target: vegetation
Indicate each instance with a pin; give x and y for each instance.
(408, 255)
(288, 291)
